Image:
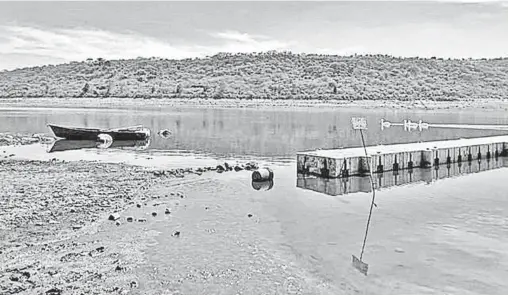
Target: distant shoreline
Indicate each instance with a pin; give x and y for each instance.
(473, 105)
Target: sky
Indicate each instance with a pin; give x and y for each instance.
(38, 33)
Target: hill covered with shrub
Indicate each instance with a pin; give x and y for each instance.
(272, 75)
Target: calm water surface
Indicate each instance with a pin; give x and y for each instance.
(429, 237)
(269, 133)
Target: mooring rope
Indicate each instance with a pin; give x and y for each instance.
(373, 196)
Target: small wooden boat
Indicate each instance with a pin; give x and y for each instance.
(61, 145)
(76, 133)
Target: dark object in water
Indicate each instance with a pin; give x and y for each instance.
(164, 133)
(360, 265)
(262, 174)
(125, 133)
(61, 145)
(262, 185)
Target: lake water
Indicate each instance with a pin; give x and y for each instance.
(444, 233)
(252, 132)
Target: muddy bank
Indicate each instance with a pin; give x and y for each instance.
(82, 227)
(9, 139)
(123, 103)
(47, 207)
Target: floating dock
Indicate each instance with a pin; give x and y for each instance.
(345, 162)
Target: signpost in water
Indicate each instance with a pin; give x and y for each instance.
(361, 124)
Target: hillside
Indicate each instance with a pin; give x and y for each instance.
(273, 75)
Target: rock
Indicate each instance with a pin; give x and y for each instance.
(114, 216)
(138, 205)
(77, 226)
(39, 224)
(119, 268)
(206, 207)
(249, 215)
(134, 284)
(176, 234)
(130, 219)
(117, 223)
(72, 210)
(15, 277)
(228, 168)
(154, 214)
(238, 168)
(220, 168)
(167, 211)
(54, 291)
(399, 250)
(141, 219)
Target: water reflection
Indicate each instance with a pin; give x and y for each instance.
(262, 185)
(68, 145)
(342, 186)
(252, 132)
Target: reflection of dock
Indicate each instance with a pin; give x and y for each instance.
(341, 186)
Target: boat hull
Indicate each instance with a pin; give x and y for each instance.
(92, 134)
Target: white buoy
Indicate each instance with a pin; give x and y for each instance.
(105, 141)
(262, 174)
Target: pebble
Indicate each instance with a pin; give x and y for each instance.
(134, 284)
(399, 250)
(167, 211)
(118, 223)
(130, 219)
(142, 220)
(138, 205)
(249, 215)
(176, 234)
(54, 291)
(114, 216)
(154, 214)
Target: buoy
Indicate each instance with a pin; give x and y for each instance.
(262, 174)
(105, 141)
(262, 185)
(164, 133)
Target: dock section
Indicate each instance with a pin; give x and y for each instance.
(338, 163)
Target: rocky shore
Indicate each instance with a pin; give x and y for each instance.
(84, 228)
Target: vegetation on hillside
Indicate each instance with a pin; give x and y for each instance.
(272, 75)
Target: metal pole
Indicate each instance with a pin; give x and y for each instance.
(373, 196)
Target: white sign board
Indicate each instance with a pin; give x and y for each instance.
(359, 123)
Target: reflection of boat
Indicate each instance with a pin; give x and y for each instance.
(125, 133)
(263, 185)
(67, 145)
